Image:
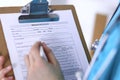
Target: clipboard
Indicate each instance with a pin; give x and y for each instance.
(3, 47)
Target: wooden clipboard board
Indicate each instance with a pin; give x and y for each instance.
(3, 47)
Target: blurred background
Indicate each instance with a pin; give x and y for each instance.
(93, 15)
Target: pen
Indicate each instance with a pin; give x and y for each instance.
(42, 53)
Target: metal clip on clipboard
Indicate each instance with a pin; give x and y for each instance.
(37, 11)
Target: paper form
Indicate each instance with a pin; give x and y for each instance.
(61, 36)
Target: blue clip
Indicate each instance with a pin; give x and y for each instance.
(37, 11)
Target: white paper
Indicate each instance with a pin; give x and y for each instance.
(61, 36)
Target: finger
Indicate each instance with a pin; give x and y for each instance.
(27, 61)
(2, 60)
(4, 79)
(49, 54)
(8, 78)
(35, 51)
(4, 71)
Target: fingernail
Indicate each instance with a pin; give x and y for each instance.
(44, 43)
(9, 67)
(0, 58)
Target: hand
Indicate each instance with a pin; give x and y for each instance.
(4, 71)
(38, 68)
